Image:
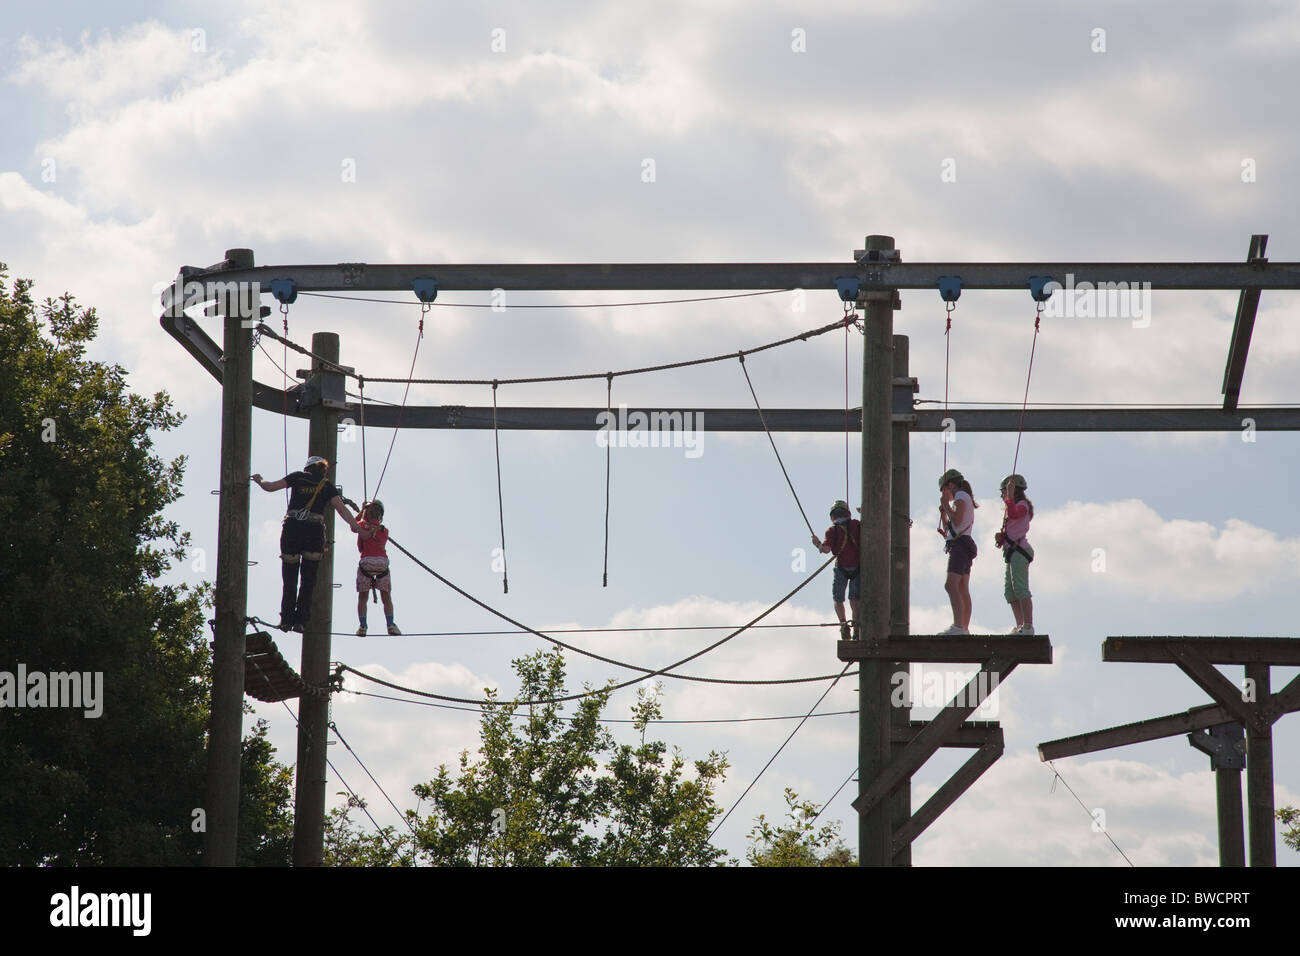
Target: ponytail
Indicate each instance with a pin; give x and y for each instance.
(964, 485)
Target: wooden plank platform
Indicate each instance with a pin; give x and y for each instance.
(940, 649)
(267, 675)
(971, 734)
(1278, 651)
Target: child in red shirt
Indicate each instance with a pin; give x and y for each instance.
(372, 569)
(842, 539)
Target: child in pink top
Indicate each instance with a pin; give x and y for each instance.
(372, 570)
(1017, 552)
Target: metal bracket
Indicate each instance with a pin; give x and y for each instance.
(426, 290)
(353, 273)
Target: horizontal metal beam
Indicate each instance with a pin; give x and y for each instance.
(659, 276)
(949, 650)
(1277, 651)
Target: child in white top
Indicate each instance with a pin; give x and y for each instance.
(957, 518)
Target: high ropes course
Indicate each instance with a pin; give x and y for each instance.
(892, 747)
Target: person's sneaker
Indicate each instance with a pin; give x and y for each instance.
(1015, 630)
(1027, 630)
(392, 629)
(952, 631)
(299, 626)
(844, 632)
(361, 630)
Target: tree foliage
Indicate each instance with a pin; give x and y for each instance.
(546, 789)
(83, 495)
(1290, 817)
(799, 843)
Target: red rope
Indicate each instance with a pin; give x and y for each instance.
(947, 343)
(848, 317)
(1025, 404)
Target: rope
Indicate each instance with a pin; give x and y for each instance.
(1025, 404)
(501, 514)
(607, 720)
(1057, 776)
(582, 630)
(284, 402)
(778, 750)
(835, 794)
(570, 305)
(762, 418)
(591, 376)
(947, 342)
(334, 727)
(848, 315)
(609, 444)
(609, 688)
(361, 403)
(424, 309)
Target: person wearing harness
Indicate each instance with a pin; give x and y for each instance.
(372, 569)
(302, 535)
(1017, 552)
(842, 539)
(957, 518)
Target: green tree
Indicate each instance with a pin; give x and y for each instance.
(265, 836)
(83, 495)
(536, 794)
(347, 844)
(800, 843)
(1290, 818)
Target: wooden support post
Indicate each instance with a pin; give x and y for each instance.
(226, 719)
(874, 830)
(1232, 843)
(900, 805)
(313, 708)
(1259, 773)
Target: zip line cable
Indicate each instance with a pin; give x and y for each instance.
(501, 513)
(779, 749)
(1057, 776)
(604, 720)
(609, 688)
(835, 794)
(762, 418)
(334, 727)
(571, 305)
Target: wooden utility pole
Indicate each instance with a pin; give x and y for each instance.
(874, 832)
(900, 805)
(226, 719)
(313, 708)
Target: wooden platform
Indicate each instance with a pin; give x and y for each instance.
(941, 649)
(267, 675)
(1277, 651)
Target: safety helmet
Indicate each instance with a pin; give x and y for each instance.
(1016, 480)
(839, 506)
(377, 505)
(315, 460)
(952, 474)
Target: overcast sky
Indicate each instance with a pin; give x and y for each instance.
(142, 137)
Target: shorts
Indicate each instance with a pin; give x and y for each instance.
(302, 537)
(1017, 578)
(852, 577)
(381, 580)
(961, 554)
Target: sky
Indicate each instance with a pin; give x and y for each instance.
(142, 137)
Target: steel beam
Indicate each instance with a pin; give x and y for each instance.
(690, 276)
(1242, 327)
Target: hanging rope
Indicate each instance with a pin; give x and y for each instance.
(609, 411)
(763, 419)
(1020, 431)
(424, 310)
(284, 410)
(501, 514)
(848, 318)
(947, 352)
(361, 404)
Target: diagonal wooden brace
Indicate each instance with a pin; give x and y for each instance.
(945, 796)
(1212, 681)
(933, 736)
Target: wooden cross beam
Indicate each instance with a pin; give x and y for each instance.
(1253, 705)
